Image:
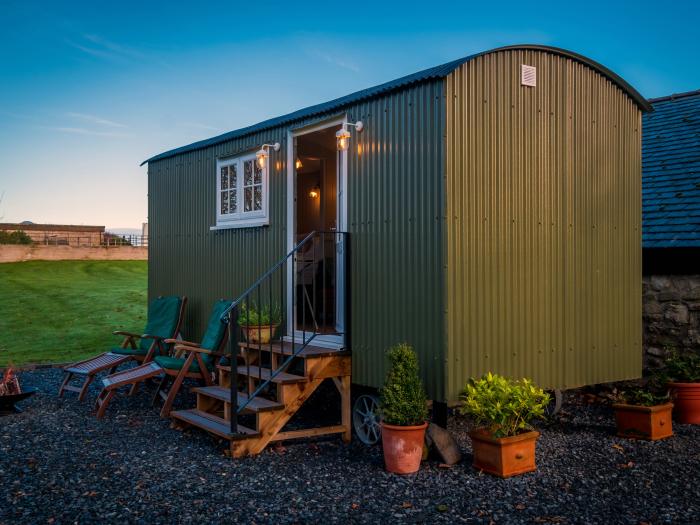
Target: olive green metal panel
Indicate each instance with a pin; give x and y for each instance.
(185, 256)
(543, 227)
(395, 192)
(395, 203)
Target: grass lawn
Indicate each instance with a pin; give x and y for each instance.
(59, 311)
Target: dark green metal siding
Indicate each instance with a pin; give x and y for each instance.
(395, 192)
(185, 256)
(544, 223)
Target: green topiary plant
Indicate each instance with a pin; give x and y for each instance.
(503, 406)
(250, 315)
(403, 399)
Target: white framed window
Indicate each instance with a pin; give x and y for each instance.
(241, 192)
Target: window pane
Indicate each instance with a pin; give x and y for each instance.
(224, 177)
(257, 200)
(248, 173)
(224, 202)
(233, 175)
(233, 202)
(258, 174)
(248, 199)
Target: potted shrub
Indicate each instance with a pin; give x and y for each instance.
(403, 411)
(683, 374)
(503, 443)
(645, 413)
(259, 324)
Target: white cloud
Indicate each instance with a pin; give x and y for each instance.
(94, 119)
(84, 131)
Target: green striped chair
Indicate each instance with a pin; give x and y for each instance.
(191, 360)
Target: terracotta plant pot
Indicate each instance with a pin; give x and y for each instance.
(686, 400)
(403, 447)
(504, 457)
(640, 422)
(259, 334)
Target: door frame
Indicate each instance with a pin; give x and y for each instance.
(328, 341)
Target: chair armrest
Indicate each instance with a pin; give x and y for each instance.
(181, 342)
(127, 334)
(149, 336)
(197, 349)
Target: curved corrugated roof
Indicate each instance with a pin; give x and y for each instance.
(432, 73)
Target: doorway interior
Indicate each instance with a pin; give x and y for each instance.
(317, 207)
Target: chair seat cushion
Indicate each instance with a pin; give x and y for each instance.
(128, 351)
(176, 363)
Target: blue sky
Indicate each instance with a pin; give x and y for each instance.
(91, 89)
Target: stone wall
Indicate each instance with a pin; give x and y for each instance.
(23, 252)
(671, 310)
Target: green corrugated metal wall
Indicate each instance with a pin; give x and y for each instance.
(543, 223)
(523, 225)
(395, 192)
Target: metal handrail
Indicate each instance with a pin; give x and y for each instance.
(229, 316)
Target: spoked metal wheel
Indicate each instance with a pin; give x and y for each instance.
(555, 402)
(365, 419)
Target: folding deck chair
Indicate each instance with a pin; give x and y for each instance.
(187, 361)
(164, 320)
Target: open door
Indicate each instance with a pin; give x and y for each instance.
(317, 205)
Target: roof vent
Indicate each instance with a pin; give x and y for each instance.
(528, 75)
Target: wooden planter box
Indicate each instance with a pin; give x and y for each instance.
(639, 422)
(259, 334)
(504, 457)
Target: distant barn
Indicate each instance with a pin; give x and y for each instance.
(58, 234)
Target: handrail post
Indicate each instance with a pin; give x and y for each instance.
(233, 363)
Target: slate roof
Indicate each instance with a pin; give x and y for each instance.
(671, 172)
(432, 73)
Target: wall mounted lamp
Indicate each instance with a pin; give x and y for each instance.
(264, 152)
(342, 136)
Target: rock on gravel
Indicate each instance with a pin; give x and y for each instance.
(58, 464)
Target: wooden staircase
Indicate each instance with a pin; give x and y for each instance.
(270, 411)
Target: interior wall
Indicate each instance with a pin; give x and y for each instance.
(308, 209)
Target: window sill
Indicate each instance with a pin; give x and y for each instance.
(246, 223)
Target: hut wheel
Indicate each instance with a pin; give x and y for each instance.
(365, 419)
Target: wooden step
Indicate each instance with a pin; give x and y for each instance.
(213, 424)
(282, 378)
(258, 404)
(287, 349)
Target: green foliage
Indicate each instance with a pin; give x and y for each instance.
(64, 311)
(505, 407)
(403, 399)
(682, 367)
(16, 237)
(250, 315)
(645, 397)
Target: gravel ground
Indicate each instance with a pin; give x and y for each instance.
(58, 464)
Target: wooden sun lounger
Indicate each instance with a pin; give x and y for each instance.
(89, 368)
(132, 376)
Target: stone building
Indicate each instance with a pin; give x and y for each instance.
(59, 234)
(671, 225)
